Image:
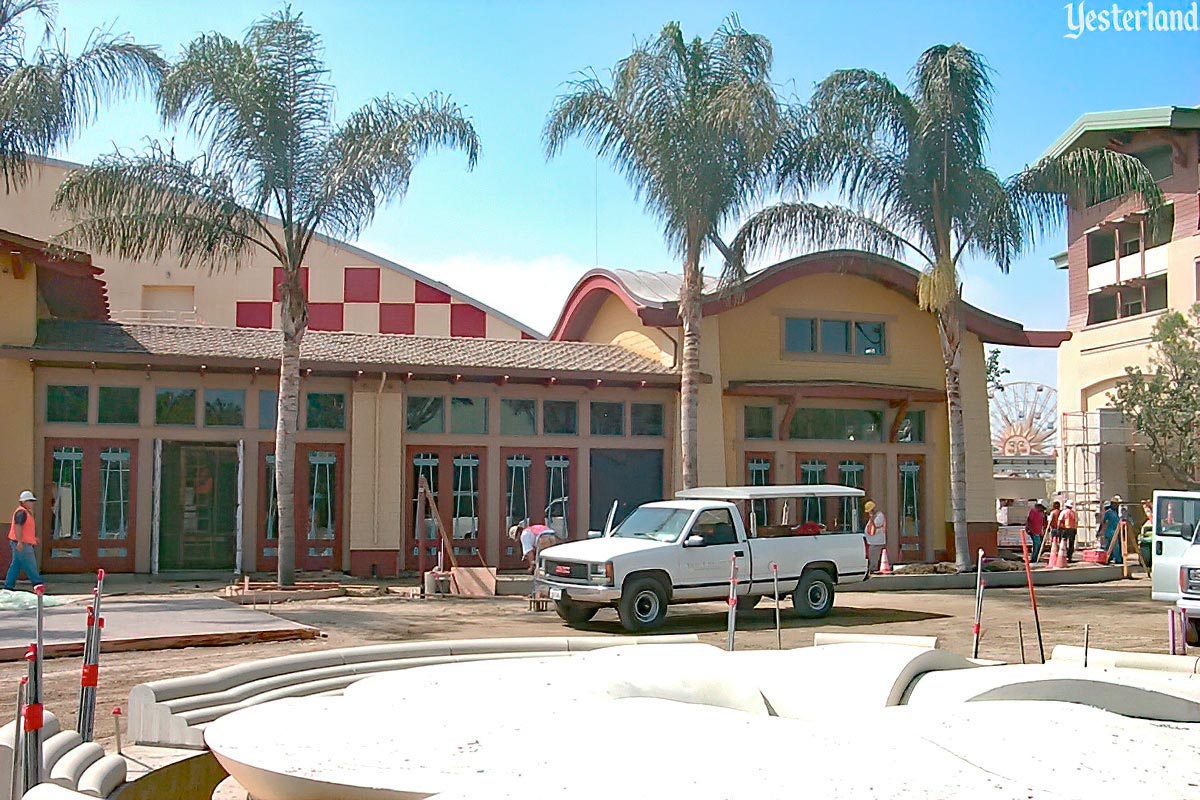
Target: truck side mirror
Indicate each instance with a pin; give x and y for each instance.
(694, 541)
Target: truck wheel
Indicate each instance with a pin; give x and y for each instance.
(643, 605)
(747, 602)
(1192, 634)
(574, 613)
(814, 596)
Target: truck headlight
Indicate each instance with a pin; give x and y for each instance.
(601, 573)
(541, 568)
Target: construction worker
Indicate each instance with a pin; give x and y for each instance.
(1035, 526)
(22, 541)
(1069, 525)
(1053, 524)
(876, 532)
(533, 539)
(1107, 528)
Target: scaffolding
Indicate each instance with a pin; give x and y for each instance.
(1098, 459)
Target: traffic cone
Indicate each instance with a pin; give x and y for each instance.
(885, 566)
(1062, 555)
(1054, 549)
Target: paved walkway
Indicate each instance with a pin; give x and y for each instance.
(147, 623)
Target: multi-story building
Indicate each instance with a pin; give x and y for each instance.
(1127, 266)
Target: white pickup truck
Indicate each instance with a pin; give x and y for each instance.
(1175, 576)
(680, 551)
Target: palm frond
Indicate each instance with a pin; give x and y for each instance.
(792, 227)
(370, 158)
(986, 222)
(861, 105)
(952, 89)
(1042, 193)
(145, 206)
(46, 100)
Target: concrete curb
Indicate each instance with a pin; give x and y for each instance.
(1071, 576)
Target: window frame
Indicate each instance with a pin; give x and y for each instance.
(218, 392)
(621, 418)
(87, 404)
(820, 322)
(575, 418)
(182, 390)
(308, 411)
(662, 419)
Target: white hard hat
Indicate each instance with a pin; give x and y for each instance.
(1070, 504)
(27, 497)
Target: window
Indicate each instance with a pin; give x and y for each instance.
(1101, 247)
(912, 428)
(868, 339)
(759, 422)
(1158, 160)
(268, 409)
(608, 419)
(560, 417)
(799, 335)
(835, 337)
(225, 407)
(759, 470)
(1131, 303)
(468, 415)
(518, 417)
(119, 405)
(325, 412)
(425, 415)
(114, 493)
(66, 404)
(67, 475)
(848, 424)
(1156, 293)
(646, 419)
(1160, 226)
(175, 407)
(715, 526)
(1102, 307)
(1177, 516)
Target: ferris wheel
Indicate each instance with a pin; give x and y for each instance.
(1024, 418)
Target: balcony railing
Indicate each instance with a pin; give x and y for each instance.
(146, 316)
(1106, 273)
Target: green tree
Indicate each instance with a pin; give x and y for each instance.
(995, 371)
(262, 110)
(912, 169)
(691, 125)
(1163, 404)
(49, 95)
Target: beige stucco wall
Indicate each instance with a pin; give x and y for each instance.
(745, 343)
(17, 327)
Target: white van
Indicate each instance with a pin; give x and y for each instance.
(1176, 521)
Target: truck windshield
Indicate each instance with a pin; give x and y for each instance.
(661, 524)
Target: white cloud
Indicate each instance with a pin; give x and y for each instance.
(531, 291)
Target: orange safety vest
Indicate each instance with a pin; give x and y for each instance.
(28, 531)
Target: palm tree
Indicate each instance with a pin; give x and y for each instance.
(912, 166)
(691, 125)
(47, 97)
(262, 111)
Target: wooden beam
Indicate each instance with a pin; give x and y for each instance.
(901, 410)
(785, 424)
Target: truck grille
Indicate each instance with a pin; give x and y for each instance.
(566, 570)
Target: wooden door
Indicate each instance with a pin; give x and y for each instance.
(842, 469)
(88, 513)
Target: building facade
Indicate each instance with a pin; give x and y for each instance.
(823, 371)
(1127, 267)
(142, 403)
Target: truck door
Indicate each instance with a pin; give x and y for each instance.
(1176, 515)
(704, 569)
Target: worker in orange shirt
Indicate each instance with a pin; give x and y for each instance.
(22, 541)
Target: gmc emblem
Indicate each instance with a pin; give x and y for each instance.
(562, 569)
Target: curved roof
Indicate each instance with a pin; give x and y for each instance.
(652, 296)
(68, 282)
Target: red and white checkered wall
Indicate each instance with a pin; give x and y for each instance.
(375, 300)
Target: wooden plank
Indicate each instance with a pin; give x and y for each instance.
(473, 581)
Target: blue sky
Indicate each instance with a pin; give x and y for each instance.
(518, 231)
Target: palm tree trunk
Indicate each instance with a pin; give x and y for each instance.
(950, 330)
(287, 420)
(689, 397)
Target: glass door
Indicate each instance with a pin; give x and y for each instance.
(89, 506)
(320, 468)
(912, 508)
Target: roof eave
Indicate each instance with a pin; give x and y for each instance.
(1131, 119)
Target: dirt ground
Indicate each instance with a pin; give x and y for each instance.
(1120, 614)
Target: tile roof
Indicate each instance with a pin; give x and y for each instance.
(394, 352)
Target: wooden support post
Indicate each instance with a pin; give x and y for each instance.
(901, 410)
